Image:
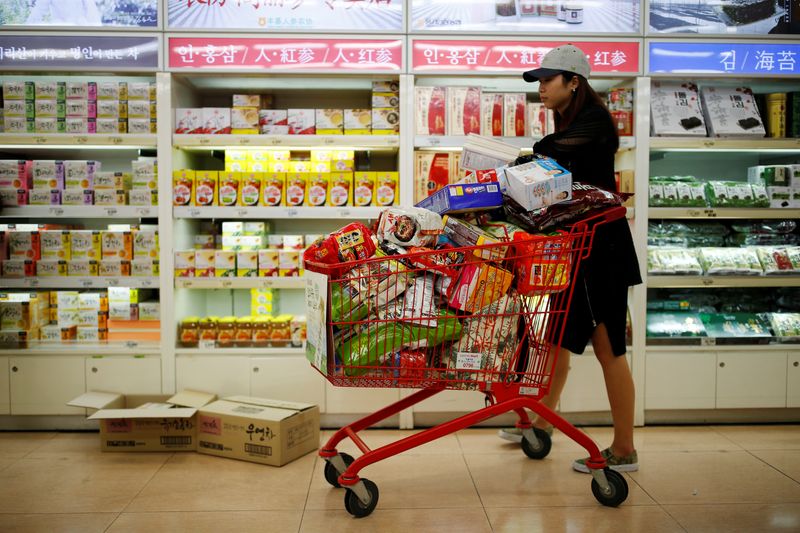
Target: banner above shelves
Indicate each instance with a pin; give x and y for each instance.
(731, 19)
(726, 58)
(75, 14)
(287, 55)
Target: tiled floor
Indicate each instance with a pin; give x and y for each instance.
(702, 478)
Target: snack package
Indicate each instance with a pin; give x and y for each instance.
(681, 261)
(409, 367)
(774, 260)
(478, 286)
(463, 233)
(350, 243)
(373, 347)
(542, 264)
(409, 226)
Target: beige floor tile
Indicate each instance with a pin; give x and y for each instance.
(75, 444)
(669, 438)
(712, 477)
(196, 482)
(787, 461)
(375, 438)
(56, 523)
(18, 444)
(513, 480)
(598, 519)
(486, 441)
(735, 518)
(210, 522)
(763, 437)
(5, 462)
(385, 520)
(104, 483)
(421, 481)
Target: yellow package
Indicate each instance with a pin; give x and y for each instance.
(224, 263)
(182, 187)
(296, 184)
(259, 155)
(281, 155)
(299, 166)
(317, 189)
(279, 166)
(55, 244)
(247, 264)
(204, 263)
(250, 188)
(364, 189)
(116, 244)
(85, 244)
(341, 189)
(229, 183)
(387, 192)
(205, 188)
(321, 155)
(272, 189)
(268, 262)
(257, 166)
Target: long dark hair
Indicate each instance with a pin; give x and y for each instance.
(584, 95)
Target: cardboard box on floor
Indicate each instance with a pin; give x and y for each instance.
(146, 423)
(259, 430)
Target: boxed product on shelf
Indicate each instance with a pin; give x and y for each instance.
(113, 125)
(140, 91)
(228, 188)
(250, 188)
(110, 197)
(19, 108)
(224, 263)
(363, 189)
(52, 268)
(205, 187)
(244, 120)
(317, 189)
(514, 115)
(329, 121)
(18, 268)
(674, 325)
(301, 121)
(296, 185)
(111, 180)
(357, 121)
(247, 264)
(770, 175)
(44, 197)
(492, 114)
(183, 183)
(675, 109)
(19, 125)
(113, 268)
(246, 100)
(216, 120)
(184, 264)
(188, 120)
(431, 110)
(386, 121)
(142, 197)
(116, 244)
(85, 244)
(272, 189)
(385, 99)
(50, 125)
(387, 188)
(18, 90)
(55, 244)
(15, 174)
(56, 90)
(268, 262)
(731, 112)
(463, 110)
(537, 120)
(341, 189)
(288, 263)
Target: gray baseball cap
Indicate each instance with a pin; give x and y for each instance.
(565, 58)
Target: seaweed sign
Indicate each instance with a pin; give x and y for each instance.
(697, 57)
(739, 17)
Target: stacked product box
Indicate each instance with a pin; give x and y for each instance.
(385, 108)
(620, 105)
(22, 316)
(781, 182)
(434, 171)
(540, 120)
(731, 112)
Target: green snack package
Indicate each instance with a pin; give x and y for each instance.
(373, 347)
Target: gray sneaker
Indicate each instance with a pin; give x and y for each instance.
(515, 434)
(629, 463)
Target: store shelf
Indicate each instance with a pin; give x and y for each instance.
(65, 282)
(456, 142)
(722, 212)
(285, 141)
(679, 282)
(115, 348)
(93, 140)
(256, 352)
(706, 144)
(681, 348)
(79, 211)
(241, 283)
(353, 213)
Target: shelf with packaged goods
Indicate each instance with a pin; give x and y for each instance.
(241, 283)
(707, 144)
(289, 350)
(733, 213)
(209, 142)
(352, 213)
(711, 345)
(66, 282)
(456, 142)
(66, 140)
(79, 211)
(112, 348)
(685, 282)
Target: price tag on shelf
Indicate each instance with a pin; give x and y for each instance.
(112, 282)
(86, 282)
(434, 141)
(710, 213)
(131, 344)
(244, 140)
(147, 282)
(111, 211)
(204, 141)
(291, 213)
(33, 282)
(276, 141)
(709, 144)
(194, 213)
(266, 284)
(56, 211)
(144, 211)
(116, 140)
(394, 141)
(185, 283)
(707, 281)
(206, 344)
(40, 140)
(329, 141)
(227, 284)
(708, 341)
(81, 139)
(344, 213)
(242, 212)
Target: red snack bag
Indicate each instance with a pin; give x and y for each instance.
(410, 366)
(350, 243)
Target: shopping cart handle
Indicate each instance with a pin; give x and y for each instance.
(589, 224)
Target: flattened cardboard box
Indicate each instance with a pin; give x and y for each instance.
(259, 430)
(145, 423)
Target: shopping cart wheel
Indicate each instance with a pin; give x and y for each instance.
(537, 450)
(355, 506)
(617, 489)
(332, 475)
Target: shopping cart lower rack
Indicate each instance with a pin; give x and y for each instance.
(487, 318)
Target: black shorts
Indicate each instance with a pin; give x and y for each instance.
(595, 303)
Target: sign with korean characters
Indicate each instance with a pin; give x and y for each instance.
(517, 56)
(741, 17)
(80, 13)
(697, 57)
(286, 55)
(79, 52)
(529, 16)
(283, 15)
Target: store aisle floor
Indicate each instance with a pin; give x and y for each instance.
(699, 478)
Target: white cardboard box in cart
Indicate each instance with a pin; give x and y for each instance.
(259, 430)
(145, 423)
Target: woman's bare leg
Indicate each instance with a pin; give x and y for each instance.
(620, 389)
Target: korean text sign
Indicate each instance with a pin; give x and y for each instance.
(780, 59)
(80, 13)
(86, 52)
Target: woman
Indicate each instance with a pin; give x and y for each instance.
(585, 143)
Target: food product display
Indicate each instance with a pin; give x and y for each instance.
(252, 331)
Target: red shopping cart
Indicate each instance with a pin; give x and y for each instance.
(487, 318)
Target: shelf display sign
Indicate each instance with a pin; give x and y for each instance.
(282, 15)
(697, 57)
(517, 56)
(739, 17)
(530, 16)
(80, 52)
(80, 13)
(285, 55)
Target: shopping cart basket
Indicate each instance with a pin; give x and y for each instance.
(487, 318)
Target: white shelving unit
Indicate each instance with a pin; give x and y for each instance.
(79, 211)
(87, 141)
(289, 213)
(92, 282)
(286, 142)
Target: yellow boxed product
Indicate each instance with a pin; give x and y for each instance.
(330, 121)
(145, 267)
(236, 166)
(254, 229)
(259, 155)
(341, 189)
(246, 100)
(82, 267)
(268, 262)
(237, 155)
(244, 118)
(364, 189)
(385, 99)
(110, 197)
(88, 318)
(16, 316)
(113, 268)
(289, 263)
(89, 301)
(320, 166)
(183, 187)
(233, 228)
(205, 188)
(247, 264)
(259, 430)
(85, 244)
(296, 185)
(272, 189)
(184, 263)
(250, 188)
(279, 166)
(385, 121)
(55, 244)
(50, 268)
(116, 244)
(257, 166)
(112, 180)
(357, 121)
(145, 244)
(346, 155)
(225, 263)
(142, 197)
(387, 192)
(299, 166)
(317, 189)
(229, 183)
(321, 155)
(342, 165)
(281, 155)
(127, 295)
(145, 182)
(204, 263)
